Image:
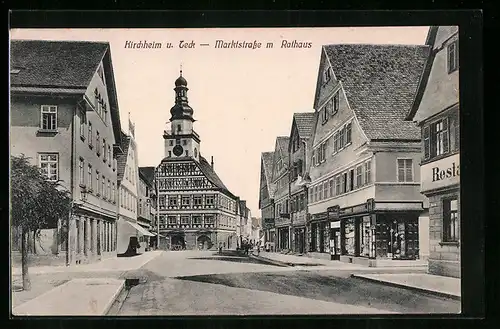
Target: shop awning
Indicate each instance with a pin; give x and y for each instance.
(140, 229)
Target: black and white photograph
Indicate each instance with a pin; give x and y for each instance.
(235, 171)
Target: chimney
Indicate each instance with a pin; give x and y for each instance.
(212, 162)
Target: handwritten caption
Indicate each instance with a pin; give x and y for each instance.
(217, 44)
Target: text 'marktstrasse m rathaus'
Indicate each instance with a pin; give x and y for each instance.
(196, 209)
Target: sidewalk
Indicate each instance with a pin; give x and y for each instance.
(106, 265)
(435, 284)
(293, 260)
(77, 297)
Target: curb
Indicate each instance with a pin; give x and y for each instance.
(113, 298)
(400, 285)
(271, 261)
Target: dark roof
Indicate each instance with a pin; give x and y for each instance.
(267, 161)
(380, 82)
(243, 208)
(121, 159)
(283, 142)
(55, 63)
(305, 123)
(148, 174)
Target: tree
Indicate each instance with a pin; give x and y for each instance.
(36, 203)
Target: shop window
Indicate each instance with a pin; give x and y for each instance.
(365, 236)
(349, 237)
(450, 221)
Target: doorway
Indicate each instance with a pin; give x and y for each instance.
(178, 242)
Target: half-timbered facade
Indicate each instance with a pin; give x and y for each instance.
(364, 198)
(196, 209)
(436, 111)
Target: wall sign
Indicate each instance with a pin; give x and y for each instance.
(335, 224)
(441, 173)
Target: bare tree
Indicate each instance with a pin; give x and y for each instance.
(36, 203)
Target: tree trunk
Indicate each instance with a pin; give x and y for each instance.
(24, 260)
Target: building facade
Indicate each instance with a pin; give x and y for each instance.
(300, 142)
(146, 206)
(364, 198)
(69, 125)
(281, 193)
(196, 209)
(436, 111)
(266, 199)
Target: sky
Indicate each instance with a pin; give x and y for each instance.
(242, 98)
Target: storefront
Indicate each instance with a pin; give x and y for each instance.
(319, 234)
(440, 182)
(334, 220)
(283, 237)
(299, 239)
(375, 231)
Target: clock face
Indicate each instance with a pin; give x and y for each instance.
(178, 150)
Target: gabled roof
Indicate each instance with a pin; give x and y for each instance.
(212, 176)
(63, 65)
(121, 159)
(380, 83)
(424, 78)
(243, 208)
(267, 163)
(147, 174)
(304, 122)
(55, 63)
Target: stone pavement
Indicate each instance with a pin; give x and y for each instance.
(196, 298)
(77, 297)
(107, 265)
(439, 285)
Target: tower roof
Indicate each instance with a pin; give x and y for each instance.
(181, 109)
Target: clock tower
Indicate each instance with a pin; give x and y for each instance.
(181, 141)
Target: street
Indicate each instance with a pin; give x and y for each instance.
(205, 283)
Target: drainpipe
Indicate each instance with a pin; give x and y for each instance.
(72, 169)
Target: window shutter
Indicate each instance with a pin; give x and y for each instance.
(409, 170)
(427, 142)
(446, 136)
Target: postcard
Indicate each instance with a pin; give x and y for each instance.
(235, 171)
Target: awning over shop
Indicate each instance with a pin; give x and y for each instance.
(162, 236)
(140, 229)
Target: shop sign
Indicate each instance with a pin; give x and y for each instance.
(441, 173)
(335, 224)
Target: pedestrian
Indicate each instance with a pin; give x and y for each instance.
(220, 248)
(258, 248)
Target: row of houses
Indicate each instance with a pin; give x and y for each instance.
(65, 118)
(372, 174)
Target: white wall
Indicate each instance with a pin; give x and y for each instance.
(423, 235)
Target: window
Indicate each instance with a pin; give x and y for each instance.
(342, 138)
(172, 220)
(172, 201)
(49, 165)
(351, 179)
(49, 117)
(97, 142)
(302, 202)
(171, 142)
(161, 201)
(103, 187)
(113, 196)
(82, 124)
(110, 156)
(109, 191)
(169, 154)
(336, 142)
(450, 220)
(453, 56)
(186, 200)
(336, 103)
(179, 129)
(348, 132)
(326, 75)
(89, 136)
(332, 187)
(405, 170)
(105, 113)
(185, 220)
(104, 157)
(197, 219)
(89, 177)
(368, 167)
(359, 176)
(81, 172)
(209, 219)
(338, 185)
(344, 182)
(324, 115)
(316, 193)
(197, 201)
(209, 200)
(184, 142)
(187, 153)
(98, 186)
(325, 190)
(177, 142)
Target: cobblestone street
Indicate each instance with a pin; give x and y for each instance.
(189, 283)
